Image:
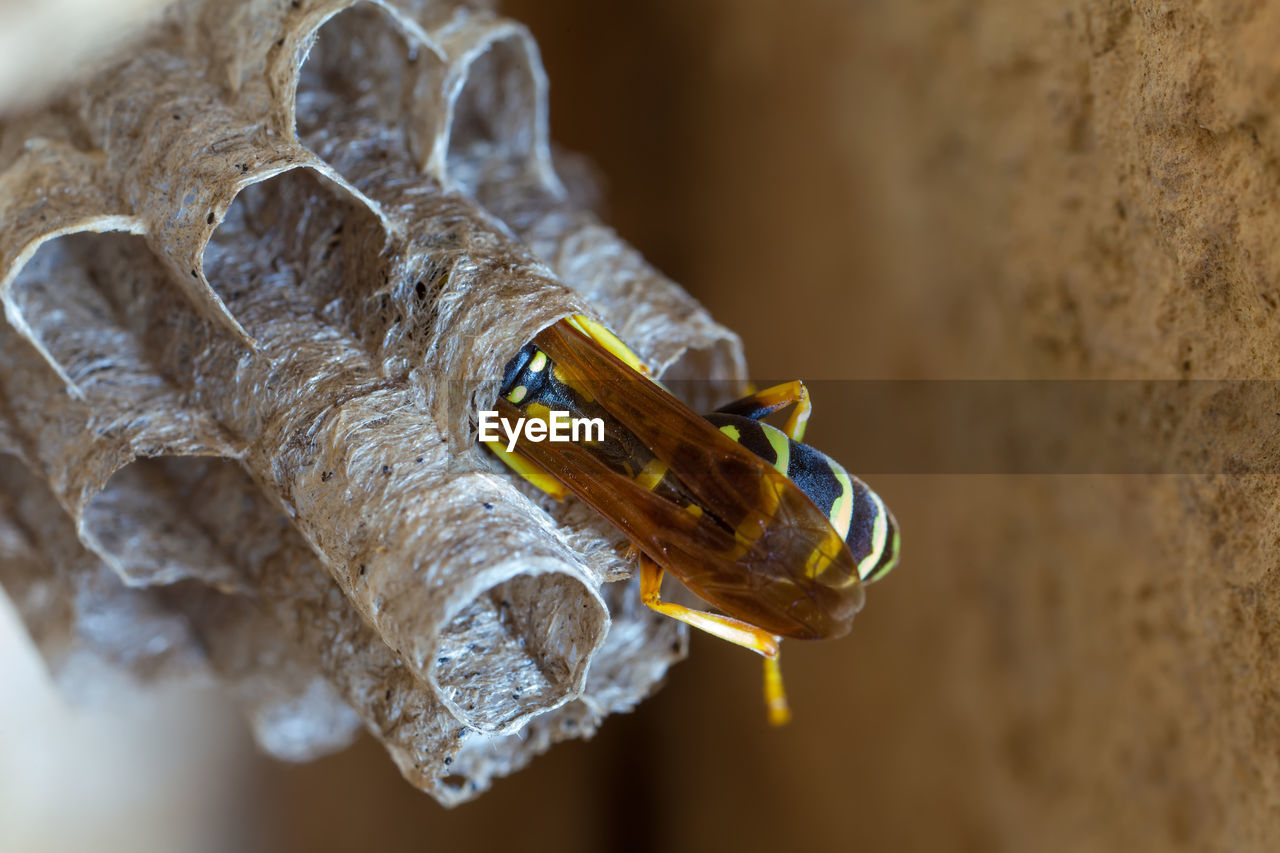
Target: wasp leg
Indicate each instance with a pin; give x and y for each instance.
(726, 628)
(761, 404)
(775, 697)
(529, 471)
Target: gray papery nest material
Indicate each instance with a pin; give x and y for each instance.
(259, 275)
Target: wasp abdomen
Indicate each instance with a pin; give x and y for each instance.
(857, 513)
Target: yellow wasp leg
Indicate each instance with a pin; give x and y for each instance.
(770, 400)
(775, 698)
(726, 628)
(529, 471)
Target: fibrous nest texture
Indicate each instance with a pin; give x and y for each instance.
(258, 277)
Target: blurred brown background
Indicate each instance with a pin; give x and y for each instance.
(959, 189)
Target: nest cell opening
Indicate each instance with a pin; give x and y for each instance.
(361, 79)
(154, 525)
(89, 627)
(493, 128)
(103, 310)
(533, 635)
(57, 298)
(296, 248)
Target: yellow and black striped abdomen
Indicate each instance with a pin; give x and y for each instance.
(857, 513)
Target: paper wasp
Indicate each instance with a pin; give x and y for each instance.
(774, 534)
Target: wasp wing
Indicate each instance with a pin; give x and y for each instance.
(761, 551)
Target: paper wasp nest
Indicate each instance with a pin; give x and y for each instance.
(258, 276)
